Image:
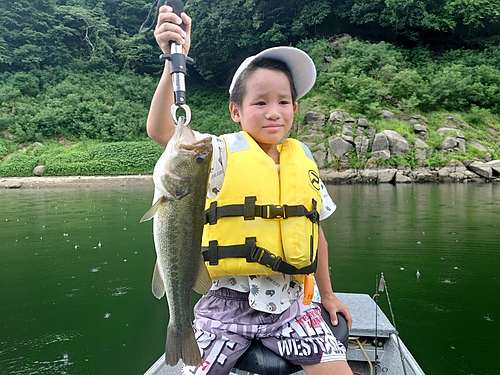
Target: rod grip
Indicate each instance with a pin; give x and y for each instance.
(178, 8)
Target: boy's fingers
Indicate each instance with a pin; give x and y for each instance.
(187, 22)
(165, 9)
(168, 35)
(165, 15)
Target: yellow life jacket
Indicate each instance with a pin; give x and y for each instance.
(263, 223)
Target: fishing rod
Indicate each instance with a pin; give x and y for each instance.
(382, 287)
(177, 60)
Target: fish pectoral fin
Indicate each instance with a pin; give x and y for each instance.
(152, 211)
(203, 281)
(157, 285)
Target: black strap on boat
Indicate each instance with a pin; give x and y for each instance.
(253, 253)
(249, 210)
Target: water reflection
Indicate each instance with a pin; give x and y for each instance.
(76, 270)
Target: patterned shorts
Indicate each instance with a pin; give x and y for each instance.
(225, 324)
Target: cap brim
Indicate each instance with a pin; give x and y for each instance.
(300, 64)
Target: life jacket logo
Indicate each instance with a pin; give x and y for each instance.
(314, 178)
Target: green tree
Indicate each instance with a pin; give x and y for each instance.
(474, 13)
(412, 17)
(226, 31)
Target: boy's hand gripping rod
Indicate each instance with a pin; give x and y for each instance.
(178, 69)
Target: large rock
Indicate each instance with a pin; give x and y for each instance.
(481, 169)
(380, 142)
(449, 143)
(453, 143)
(461, 144)
(495, 167)
(417, 119)
(398, 145)
(474, 143)
(39, 170)
(337, 116)
(362, 144)
(386, 175)
(344, 176)
(387, 114)
(446, 131)
(347, 129)
(424, 175)
(455, 171)
(401, 178)
(390, 141)
(314, 119)
(372, 132)
(421, 156)
(382, 154)
(12, 184)
(369, 176)
(383, 175)
(422, 152)
(362, 122)
(421, 130)
(320, 156)
(339, 147)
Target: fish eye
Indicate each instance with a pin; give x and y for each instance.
(199, 159)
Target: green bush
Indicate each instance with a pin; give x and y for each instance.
(18, 165)
(105, 106)
(6, 147)
(363, 77)
(85, 158)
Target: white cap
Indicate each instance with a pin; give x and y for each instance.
(299, 63)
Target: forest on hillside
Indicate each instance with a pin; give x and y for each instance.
(79, 69)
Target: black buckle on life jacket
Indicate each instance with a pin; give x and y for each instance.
(253, 253)
(266, 258)
(273, 211)
(313, 215)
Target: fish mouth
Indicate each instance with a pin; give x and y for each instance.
(198, 146)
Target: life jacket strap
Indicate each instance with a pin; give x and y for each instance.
(213, 252)
(249, 210)
(253, 253)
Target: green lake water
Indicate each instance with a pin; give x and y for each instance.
(76, 266)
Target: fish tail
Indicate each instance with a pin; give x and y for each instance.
(182, 345)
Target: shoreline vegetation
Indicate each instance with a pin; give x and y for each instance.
(329, 176)
(51, 182)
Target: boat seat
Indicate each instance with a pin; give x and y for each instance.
(260, 360)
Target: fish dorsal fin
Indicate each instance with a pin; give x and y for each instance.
(203, 281)
(152, 211)
(157, 285)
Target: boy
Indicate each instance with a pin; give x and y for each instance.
(249, 299)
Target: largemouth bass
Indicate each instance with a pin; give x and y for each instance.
(180, 178)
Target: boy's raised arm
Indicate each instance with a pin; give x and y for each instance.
(160, 125)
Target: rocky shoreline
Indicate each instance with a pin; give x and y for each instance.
(94, 182)
(339, 141)
(448, 174)
(350, 150)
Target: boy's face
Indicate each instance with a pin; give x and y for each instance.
(267, 109)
